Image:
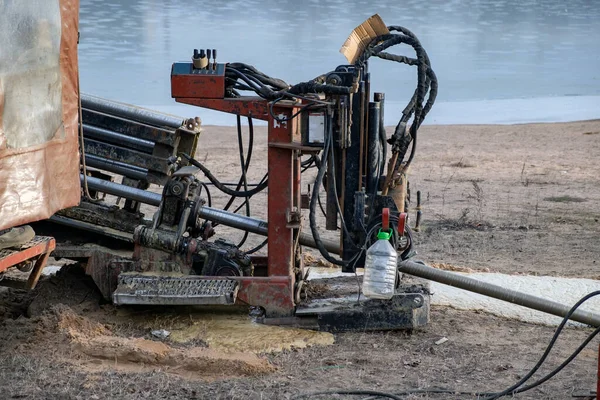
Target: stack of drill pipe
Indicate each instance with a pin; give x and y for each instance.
(130, 115)
(130, 112)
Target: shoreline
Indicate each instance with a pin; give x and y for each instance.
(518, 111)
(472, 112)
(433, 126)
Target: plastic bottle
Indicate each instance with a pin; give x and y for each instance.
(381, 261)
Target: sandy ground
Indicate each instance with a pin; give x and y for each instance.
(518, 199)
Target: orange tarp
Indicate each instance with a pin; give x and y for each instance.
(39, 152)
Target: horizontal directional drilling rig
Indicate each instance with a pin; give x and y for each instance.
(332, 124)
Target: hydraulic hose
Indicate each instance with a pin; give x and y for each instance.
(222, 187)
(312, 216)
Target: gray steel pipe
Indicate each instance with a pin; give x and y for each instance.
(119, 139)
(497, 292)
(130, 171)
(258, 226)
(129, 111)
(127, 192)
(227, 218)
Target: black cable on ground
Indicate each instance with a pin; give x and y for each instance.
(429, 391)
(533, 370)
(556, 370)
(512, 390)
(348, 392)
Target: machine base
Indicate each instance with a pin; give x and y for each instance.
(408, 309)
(403, 311)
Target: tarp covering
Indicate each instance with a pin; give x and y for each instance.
(39, 154)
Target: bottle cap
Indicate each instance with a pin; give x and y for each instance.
(382, 235)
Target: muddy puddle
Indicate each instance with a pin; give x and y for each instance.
(68, 320)
(226, 331)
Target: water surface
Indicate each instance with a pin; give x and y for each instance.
(485, 52)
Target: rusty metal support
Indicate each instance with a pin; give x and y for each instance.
(34, 275)
(281, 203)
(254, 107)
(37, 250)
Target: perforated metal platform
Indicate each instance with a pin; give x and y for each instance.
(168, 290)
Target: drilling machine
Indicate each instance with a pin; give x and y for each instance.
(333, 120)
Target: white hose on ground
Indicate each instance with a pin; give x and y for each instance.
(487, 289)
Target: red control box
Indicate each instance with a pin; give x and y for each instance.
(189, 82)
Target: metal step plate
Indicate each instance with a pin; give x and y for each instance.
(169, 290)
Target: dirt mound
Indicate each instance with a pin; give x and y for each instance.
(137, 354)
(68, 323)
(70, 286)
(65, 321)
(66, 336)
(13, 302)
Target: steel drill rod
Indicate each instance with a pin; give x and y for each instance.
(130, 171)
(127, 192)
(130, 111)
(257, 226)
(105, 135)
(497, 292)
(227, 218)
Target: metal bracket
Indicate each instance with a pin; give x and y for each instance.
(293, 218)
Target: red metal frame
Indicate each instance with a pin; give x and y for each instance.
(39, 247)
(254, 107)
(275, 292)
